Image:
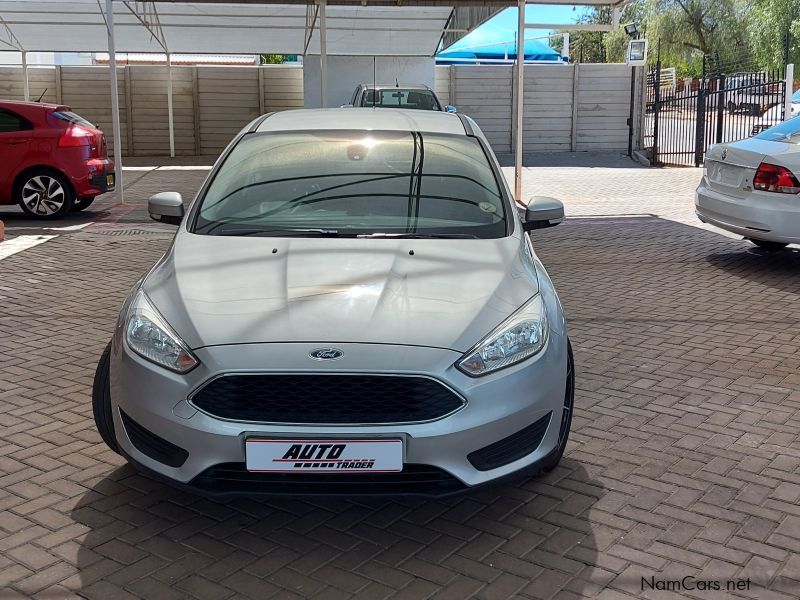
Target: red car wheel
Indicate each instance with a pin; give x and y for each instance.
(44, 194)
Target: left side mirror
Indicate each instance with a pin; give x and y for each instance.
(166, 207)
(543, 212)
(450, 108)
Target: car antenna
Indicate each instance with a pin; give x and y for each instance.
(39, 99)
(396, 83)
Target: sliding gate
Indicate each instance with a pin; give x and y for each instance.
(683, 118)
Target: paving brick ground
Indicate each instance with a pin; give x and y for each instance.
(684, 460)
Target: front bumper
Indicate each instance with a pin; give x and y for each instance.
(497, 406)
(759, 215)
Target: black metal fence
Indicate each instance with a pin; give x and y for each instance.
(685, 116)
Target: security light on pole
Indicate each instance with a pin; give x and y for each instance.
(632, 30)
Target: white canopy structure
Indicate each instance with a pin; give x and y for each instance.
(319, 27)
(220, 28)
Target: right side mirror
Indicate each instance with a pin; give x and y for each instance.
(166, 207)
(543, 212)
(450, 108)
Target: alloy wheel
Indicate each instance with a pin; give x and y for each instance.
(43, 195)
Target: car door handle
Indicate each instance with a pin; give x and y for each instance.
(16, 142)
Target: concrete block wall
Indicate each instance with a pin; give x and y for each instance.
(567, 107)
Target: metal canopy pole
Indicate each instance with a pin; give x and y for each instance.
(323, 55)
(112, 63)
(26, 85)
(518, 99)
(170, 118)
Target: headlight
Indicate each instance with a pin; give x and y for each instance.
(519, 337)
(151, 337)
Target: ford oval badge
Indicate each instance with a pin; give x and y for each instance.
(326, 354)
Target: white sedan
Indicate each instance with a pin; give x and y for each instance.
(752, 187)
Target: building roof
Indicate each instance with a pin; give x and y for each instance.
(392, 86)
(380, 119)
(534, 50)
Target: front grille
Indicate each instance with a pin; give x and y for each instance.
(511, 448)
(149, 444)
(326, 399)
(234, 478)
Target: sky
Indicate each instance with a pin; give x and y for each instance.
(503, 27)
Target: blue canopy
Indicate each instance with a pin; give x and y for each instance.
(534, 50)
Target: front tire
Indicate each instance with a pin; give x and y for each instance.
(769, 246)
(551, 461)
(101, 401)
(44, 194)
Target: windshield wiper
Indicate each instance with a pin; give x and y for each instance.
(316, 232)
(420, 236)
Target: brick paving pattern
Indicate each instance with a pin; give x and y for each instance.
(684, 458)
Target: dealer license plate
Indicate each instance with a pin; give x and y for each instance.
(728, 175)
(316, 456)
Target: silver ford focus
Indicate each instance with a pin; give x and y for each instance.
(351, 305)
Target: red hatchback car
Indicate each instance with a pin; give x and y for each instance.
(52, 161)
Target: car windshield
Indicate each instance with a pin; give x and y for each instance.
(788, 131)
(355, 183)
(400, 98)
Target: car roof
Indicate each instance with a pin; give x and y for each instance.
(402, 86)
(381, 119)
(22, 104)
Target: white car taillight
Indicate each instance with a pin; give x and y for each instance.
(775, 178)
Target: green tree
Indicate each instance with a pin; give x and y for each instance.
(588, 46)
(598, 46)
(272, 59)
(769, 22)
(685, 30)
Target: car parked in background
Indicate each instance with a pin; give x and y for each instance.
(796, 103)
(351, 305)
(751, 93)
(52, 161)
(415, 97)
(752, 187)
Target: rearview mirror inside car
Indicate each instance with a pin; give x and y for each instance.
(166, 207)
(543, 212)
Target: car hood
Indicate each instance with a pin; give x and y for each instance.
(217, 290)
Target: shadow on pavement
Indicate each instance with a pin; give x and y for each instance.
(156, 541)
(777, 270)
(14, 217)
